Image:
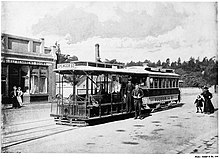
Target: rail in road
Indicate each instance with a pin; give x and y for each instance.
(20, 133)
(27, 131)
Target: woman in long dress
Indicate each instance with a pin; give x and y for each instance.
(13, 95)
(20, 93)
(208, 106)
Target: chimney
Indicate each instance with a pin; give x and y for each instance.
(97, 56)
(42, 46)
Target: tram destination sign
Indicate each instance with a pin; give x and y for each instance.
(65, 66)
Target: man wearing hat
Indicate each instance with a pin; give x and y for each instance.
(128, 96)
(137, 94)
(208, 106)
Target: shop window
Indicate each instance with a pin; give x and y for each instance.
(3, 80)
(39, 78)
(34, 84)
(43, 80)
(36, 47)
(18, 45)
(25, 78)
(43, 85)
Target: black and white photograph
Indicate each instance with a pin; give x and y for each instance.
(109, 77)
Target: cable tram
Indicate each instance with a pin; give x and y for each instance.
(96, 91)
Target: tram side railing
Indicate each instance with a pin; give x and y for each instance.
(65, 107)
(81, 106)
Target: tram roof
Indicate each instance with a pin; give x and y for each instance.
(69, 68)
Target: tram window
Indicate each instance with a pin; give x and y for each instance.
(163, 83)
(108, 66)
(155, 83)
(115, 85)
(173, 83)
(142, 81)
(100, 65)
(170, 80)
(151, 82)
(147, 82)
(92, 64)
(81, 63)
(159, 83)
(177, 82)
(167, 83)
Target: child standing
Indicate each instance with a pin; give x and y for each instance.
(199, 103)
(20, 93)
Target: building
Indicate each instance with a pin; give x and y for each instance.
(27, 63)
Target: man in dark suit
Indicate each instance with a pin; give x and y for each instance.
(137, 94)
(128, 95)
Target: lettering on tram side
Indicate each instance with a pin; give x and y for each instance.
(65, 65)
(154, 99)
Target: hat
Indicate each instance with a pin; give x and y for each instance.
(205, 87)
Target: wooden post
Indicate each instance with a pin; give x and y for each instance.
(91, 85)
(87, 93)
(62, 95)
(74, 94)
(100, 110)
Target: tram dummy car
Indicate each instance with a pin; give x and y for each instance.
(96, 90)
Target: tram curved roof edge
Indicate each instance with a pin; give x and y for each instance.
(140, 70)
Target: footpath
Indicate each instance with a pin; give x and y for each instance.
(205, 144)
(27, 106)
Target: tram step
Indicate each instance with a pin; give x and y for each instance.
(73, 123)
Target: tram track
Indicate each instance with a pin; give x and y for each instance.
(16, 142)
(30, 122)
(22, 130)
(16, 134)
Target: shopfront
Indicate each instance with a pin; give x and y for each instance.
(33, 72)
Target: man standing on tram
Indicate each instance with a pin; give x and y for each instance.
(137, 94)
(128, 95)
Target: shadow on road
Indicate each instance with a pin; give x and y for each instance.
(145, 113)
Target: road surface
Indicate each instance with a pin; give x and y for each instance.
(175, 131)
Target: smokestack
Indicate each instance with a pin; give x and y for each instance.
(97, 56)
(42, 46)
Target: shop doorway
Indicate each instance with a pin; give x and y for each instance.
(15, 78)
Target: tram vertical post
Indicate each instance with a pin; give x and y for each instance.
(87, 94)
(74, 94)
(62, 94)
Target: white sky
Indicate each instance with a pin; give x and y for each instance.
(125, 30)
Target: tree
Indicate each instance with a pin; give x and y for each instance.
(173, 65)
(113, 61)
(179, 62)
(158, 63)
(168, 62)
(63, 58)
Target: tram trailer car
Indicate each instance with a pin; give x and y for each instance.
(97, 91)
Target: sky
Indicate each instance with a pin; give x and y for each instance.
(126, 31)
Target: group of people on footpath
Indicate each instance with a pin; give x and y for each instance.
(16, 97)
(134, 95)
(205, 98)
